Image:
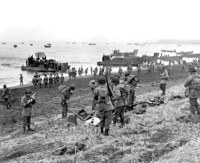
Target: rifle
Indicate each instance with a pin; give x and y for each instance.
(110, 93)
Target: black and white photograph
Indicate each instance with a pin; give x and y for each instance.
(99, 81)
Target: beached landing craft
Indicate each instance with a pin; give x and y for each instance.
(41, 64)
(121, 59)
(185, 53)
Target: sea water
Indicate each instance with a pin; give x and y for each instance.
(77, 55)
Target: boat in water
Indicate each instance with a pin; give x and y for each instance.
(41, 64)
(185, 53)
(47, 46)
(15, 46)
(118, 58)
(31, 44)
(169, 51)
(92, 44)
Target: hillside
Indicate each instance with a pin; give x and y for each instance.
(156, 136)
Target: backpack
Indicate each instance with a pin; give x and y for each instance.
(103, 95)
(196, 80)
(124, 93)
(7, 93)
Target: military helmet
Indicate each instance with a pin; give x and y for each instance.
(101, 80)
(192, 69)
(115, 79)
(72, 87)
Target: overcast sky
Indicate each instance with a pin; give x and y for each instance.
(99, 20)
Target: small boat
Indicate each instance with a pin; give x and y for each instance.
(47, 46)
(92, 44)
(31, 44)
(179, 45)
(3, 43)
(22, 43)
(169, 51)
(73, 42)
(15, 46)
(129, 44)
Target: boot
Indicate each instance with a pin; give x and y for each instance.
(30, 129)
(102, 130)
(106, 132)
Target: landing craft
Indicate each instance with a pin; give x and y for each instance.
(41, 64)
(31, 44)
(121, 59)
(15, 46)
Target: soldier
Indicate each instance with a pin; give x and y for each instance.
(91, 69)
(163, 81)
(27, 102)
(193, 84)
(57, 79)
(34, 80)
(65, 94)
(139, 69)
(120, 71)
(132, 81)
(104, 105)
(120, 97)
(39, 81)
(21, 79)
(86, 71)
(54, 79)
(6, 96)
(50, 80)
(62, 79)
(45, 80)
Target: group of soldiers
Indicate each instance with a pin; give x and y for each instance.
(51, 80)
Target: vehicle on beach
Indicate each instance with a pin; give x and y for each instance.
(41, 64)
(47, 46)
(118, 58)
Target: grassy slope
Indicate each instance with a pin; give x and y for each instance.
(150, 137)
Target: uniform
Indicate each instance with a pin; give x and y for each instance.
(163, 82)
(45, 80)
(64, 97)
(50, 81)
(27, 104)
(6, 97)
(193, 84)
(104, 106)
(119, 104)
(61, 79)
